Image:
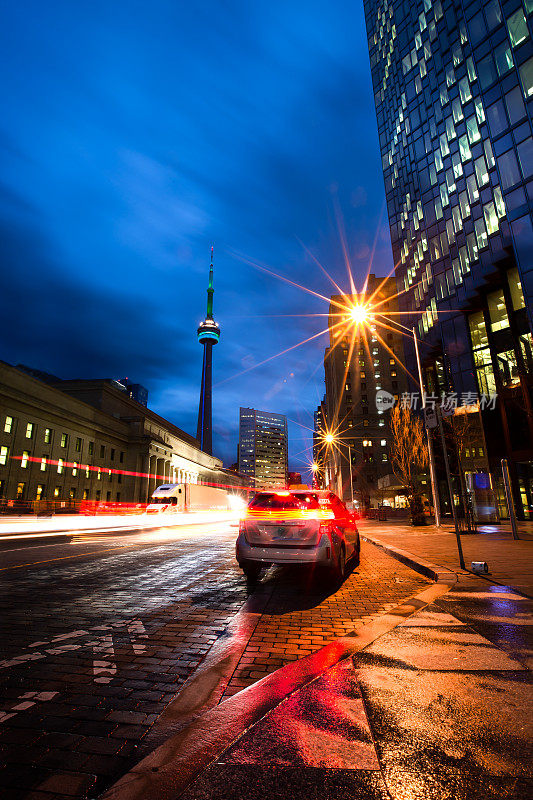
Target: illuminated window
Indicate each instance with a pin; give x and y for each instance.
(507, 368)
(60, 465)
(78, 445)
(457, 219)
(8, 425)
(450, 129)
(526, 75)
(500, 204)
(457, 110)
(457, 166)
(29, 430)
(482, 358)
(40, 490)
(515, 286)
(464, 90)
(47, 433)
(99, 475)
(497, 311)
(481, 233)
(480, 113)
(444, 99)
(443, 141)
(503, 58)
(64, 439)
(24, 459)
(43, 464)
(472, 130)
(75, 468)
(517, 27)
(4, 453)
(56, 491)
(450, 76)
(20, 490)
(481, 171)
(491, 218)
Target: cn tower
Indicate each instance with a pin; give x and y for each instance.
(208, 336)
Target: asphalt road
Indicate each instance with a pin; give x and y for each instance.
(100, 633)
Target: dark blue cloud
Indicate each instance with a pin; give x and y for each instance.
(134, 135)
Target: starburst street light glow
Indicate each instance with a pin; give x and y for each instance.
(329, 438)
(360, 314)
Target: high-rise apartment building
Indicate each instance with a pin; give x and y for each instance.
(263, 448)
(361, 428)
(453, 88)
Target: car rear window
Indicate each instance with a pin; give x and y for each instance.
(299, 502)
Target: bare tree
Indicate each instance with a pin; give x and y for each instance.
(409, 457)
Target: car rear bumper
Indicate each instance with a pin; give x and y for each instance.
(322, 553)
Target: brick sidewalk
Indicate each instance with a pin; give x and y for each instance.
(510, 562)
(300, 619)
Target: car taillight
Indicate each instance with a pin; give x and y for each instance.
(242, 526)
(324, 527)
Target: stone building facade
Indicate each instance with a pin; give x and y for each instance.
(89, 440)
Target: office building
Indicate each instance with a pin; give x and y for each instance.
(361, 428)
(263, 448)
(319, 429)
(453, 89)
(62, 441)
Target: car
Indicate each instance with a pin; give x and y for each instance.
(312, 528)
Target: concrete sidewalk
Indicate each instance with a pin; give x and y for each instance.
(418, 703)
(510, 562)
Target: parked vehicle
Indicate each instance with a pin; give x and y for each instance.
(311, 527)
(172, 498)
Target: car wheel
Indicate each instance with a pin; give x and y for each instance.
(251, 569)
(356, 558)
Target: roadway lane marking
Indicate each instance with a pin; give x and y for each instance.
(64, 558)
(29, 699)
(102, 644)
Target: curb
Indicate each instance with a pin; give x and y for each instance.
(166, 772)
(433, 571)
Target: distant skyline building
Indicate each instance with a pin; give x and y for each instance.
(263, 448)
(453, 89)
(208, 336)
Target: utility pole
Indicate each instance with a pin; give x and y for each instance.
(431, 455)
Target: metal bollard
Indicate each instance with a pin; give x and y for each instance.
(480, 566)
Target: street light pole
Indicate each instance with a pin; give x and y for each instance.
(431, 455)
(351, 476)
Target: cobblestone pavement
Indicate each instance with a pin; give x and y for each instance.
(97, 637)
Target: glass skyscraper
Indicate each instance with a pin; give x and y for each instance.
(453, 88)
(263, 448)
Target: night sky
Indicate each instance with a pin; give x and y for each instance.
(135, 135)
